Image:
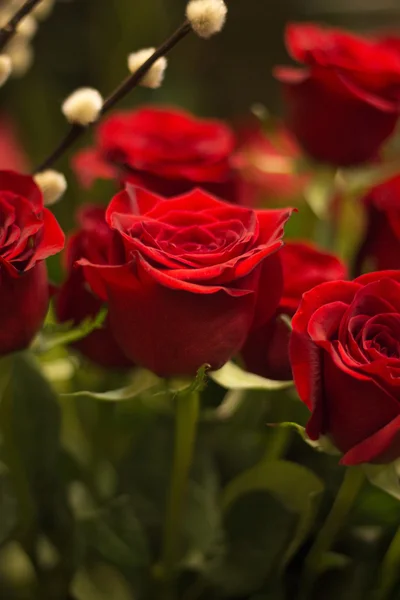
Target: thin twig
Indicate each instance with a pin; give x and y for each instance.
(133, 80)
(10, 29)
(122, 90)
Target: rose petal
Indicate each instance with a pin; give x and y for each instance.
(383, 446)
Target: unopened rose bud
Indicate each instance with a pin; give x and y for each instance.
(83, 106)
(53, 185)
(5, 68)
(207, 17)
(155, 75)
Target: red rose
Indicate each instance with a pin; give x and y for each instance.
(167, 151)
(75, 301)
(188, 277)
(345, 357)
(266, 164)
(345, 102)
(381, 245)
(266, 351)
(29, 233)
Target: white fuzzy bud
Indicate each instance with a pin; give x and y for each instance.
(155, 75)
(5, 68)
(206, 17)
(21, 55)
(83, 106)
(43, 9)
(53, 185)
(27, 27)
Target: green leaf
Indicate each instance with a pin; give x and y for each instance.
(257, 529)
(230, 405)
(5, 373)
(63, 334)
(122, 395)
(30, 426)
(142, 382)
(147, 383)
(8, 506)
(116, 535)
(202, 526)
(279, 478)
(323, 444)
(385, 477)
(268, 511)
(233, 377)
(31, 418)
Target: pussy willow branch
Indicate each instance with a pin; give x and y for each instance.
(122, 90)
(10, 28)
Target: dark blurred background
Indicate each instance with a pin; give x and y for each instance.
(86, 42)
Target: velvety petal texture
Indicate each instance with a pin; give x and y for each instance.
(75, 301)
(345, 101)
(186, 279)
(266, 351)
(345, 355)
(165, 150)
(29, 233)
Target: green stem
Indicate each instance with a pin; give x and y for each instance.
(186, 418)
(278, 443)
(390, 570)
(352, 482)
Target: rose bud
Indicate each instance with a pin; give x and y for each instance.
(266, 351)
(380, 248)
(29, 234)
(345, 102)
(187, 278)
(266, 163)
(166, 151)
(345, 357)
(75, 301)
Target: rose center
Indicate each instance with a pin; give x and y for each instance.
(381, 336)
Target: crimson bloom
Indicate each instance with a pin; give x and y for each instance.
(167, 151)
(29, 233)
(266, 351)
(380, 248)
(187, 278)
(75, 301)
(345, 356)
(345, 102)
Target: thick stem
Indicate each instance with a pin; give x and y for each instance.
(122, 90)
(10, 28)
(348, 492)
(186, 418)
(390, 570)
